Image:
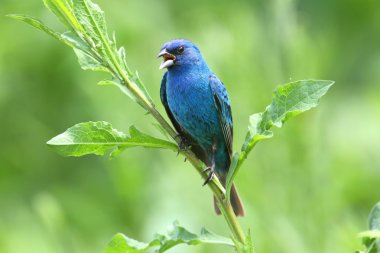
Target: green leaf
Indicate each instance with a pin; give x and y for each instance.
(88, 58)
(76, 42)
(255, 132)
(91, 17)
(374, 218)
(88, 62)
(123, 244)
(370, 234)
(232, 173)
(99, 138)
(122, 58)
(371, 238)
(175, 235)
(37, 24)
(292, 99)
(141, 139)
(288, 101)
(63, 9)
(81, 48)
(248, 247)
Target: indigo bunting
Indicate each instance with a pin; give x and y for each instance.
(198, 106)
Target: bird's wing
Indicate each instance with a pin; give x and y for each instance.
(198, 151)
(223, 107)
(166, 105)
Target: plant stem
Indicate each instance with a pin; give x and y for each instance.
(223, 204)
(218, 190)
(233, 222)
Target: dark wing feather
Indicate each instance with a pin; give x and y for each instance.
(166, 105)
(198, 151)
(223, 107)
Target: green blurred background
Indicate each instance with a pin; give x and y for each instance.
(309, 189)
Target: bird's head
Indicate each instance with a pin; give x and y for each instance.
(179, 52)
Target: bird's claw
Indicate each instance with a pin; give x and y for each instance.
(184, 144)
(210, 175)
(206, 169)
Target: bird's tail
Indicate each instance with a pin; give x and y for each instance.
(236, 203)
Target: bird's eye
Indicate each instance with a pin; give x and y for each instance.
(180, 49)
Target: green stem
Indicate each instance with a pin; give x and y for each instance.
(214, 185)
(223, 204)
(232, 221)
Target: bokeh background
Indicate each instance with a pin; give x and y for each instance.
(309, 189)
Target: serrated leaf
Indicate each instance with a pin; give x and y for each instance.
(177, 234)
(174, 236)
(288, 101)
(91, 17)
(100, 137)
(292, 99)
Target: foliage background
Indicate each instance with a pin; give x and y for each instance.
(309, 189)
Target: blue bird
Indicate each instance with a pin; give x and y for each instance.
(197, 104)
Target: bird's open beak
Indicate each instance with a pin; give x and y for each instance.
(168, 59)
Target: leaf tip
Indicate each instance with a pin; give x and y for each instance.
(14, 16)
(50, 142)
(329, 83)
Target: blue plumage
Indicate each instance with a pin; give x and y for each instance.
(197, 103)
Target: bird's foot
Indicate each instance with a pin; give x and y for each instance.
(211, 173)
(184, 144)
